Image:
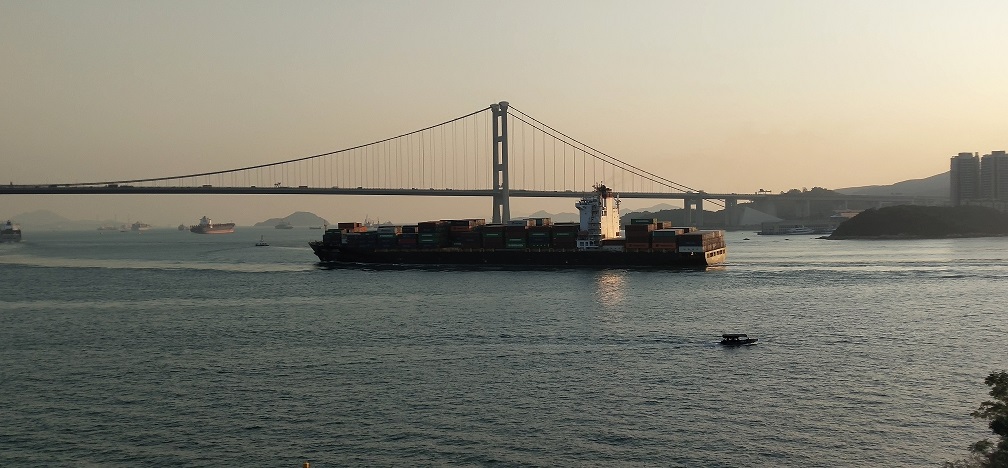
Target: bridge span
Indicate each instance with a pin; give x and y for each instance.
(497, 152)
(692, 202)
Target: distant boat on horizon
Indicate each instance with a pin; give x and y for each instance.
(11, 232)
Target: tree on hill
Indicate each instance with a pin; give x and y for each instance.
(985, 453)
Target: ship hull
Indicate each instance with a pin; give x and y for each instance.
(216, 229)
(521, 257)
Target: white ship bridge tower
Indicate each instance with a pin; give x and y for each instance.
(600, 217)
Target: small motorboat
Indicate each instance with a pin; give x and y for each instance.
(737, 339)
(262, 242)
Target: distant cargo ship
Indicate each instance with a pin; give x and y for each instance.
(206, 226)
(138, 226)
(284, 225)
(10, 232)
(596, 241)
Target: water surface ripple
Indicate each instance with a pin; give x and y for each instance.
(167, 348)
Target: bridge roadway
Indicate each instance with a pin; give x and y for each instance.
(70, 189)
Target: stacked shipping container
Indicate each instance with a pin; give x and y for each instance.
(531, 233)
(638, 233)
(493, 236)
(701, 241)
(516, 233)
(645, 233)
(433, 234)
(565, 235)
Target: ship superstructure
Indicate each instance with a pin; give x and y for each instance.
(600, 218)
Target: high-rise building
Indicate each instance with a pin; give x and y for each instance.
(994, 176)
(965, 178)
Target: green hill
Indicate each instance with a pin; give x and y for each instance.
(923, 222)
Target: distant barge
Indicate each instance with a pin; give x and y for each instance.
(596, 241)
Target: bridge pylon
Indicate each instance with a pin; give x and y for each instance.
(502, 193)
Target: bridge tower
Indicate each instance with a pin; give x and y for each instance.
(502, 193)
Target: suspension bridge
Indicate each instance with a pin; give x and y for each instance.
(497, 152)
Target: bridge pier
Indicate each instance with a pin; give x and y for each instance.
(730, 206)
(502, 193)
(700, 212)
(694, 211)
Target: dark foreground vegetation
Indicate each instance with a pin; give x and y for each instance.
(987, 453)
(923, 222)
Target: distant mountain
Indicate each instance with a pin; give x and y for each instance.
(568, 217)
(556, 217)
(47, 220)
(656, 208)
(934, 186)
(296, 219)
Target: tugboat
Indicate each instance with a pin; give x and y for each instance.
(11, 232)
(737, 339)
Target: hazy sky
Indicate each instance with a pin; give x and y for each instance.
(726, 96)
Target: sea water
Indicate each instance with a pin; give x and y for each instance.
(166, 348)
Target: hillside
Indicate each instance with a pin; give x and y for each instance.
(44, 220)
(934, 186)
(297, 219)
(923, 222)
(556, 217)
(676, 216)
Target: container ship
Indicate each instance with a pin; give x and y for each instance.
(596, 241)
(206, 226)
(10, 232)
